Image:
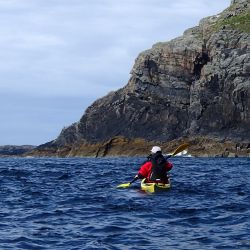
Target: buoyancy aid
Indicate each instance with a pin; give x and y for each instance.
(158, 171)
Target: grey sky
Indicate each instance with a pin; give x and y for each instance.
(58, 56)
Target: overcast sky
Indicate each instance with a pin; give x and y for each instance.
(58, 56)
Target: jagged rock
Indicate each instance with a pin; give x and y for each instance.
(220, 99)
(199, 146)
(167, 97)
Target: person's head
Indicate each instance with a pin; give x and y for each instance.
(155, 149)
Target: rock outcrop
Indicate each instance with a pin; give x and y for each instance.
(194, 86)
(11, 150)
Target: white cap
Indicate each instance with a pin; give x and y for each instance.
(155, 149)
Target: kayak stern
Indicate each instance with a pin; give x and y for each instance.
(152, 187)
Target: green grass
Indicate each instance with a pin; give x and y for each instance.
(240, 22)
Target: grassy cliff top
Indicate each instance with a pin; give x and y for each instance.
(240, 22)
(236, 16)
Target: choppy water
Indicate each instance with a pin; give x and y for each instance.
(74, 204)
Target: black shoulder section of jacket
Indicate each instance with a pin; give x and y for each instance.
(158, 167)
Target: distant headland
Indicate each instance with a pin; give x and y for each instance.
(195, 88)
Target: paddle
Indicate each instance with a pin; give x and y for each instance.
(126, 185)
(177, 151)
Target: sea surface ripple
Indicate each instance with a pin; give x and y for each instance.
(73, 203)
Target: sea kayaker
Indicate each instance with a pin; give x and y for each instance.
(155, 169)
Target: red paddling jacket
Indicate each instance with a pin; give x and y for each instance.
(155, 170)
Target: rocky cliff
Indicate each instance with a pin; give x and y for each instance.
(195, 87)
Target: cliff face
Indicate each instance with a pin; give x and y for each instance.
(195, 85)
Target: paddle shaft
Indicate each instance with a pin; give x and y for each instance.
(136, 178)
(169, 156)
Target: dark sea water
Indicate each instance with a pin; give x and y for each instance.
(74, 204)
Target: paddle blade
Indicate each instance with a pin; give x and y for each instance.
(180, 148)
(124, 185)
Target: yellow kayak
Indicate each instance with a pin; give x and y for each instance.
(154, 187)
